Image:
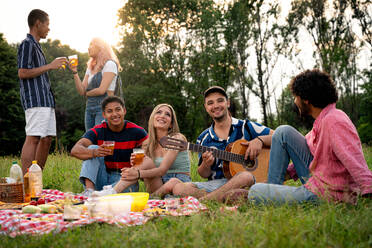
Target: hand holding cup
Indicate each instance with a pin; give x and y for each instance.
(73, 62)
(109, 146)
(137, 156)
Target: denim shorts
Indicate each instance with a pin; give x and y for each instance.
(211, 185)
(183, 177)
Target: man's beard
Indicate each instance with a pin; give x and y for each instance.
(221, 118)
(304, 109)
(303, 116)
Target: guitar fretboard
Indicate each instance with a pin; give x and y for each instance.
(221, 154)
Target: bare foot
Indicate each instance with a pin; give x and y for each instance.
(235, 196)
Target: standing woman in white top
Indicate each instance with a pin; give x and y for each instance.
(99, 80)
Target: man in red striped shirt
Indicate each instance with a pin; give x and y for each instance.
(100, 167)
(329, 160)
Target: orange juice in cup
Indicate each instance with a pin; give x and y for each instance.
(109, 145)
(139, 155)
(73, 59)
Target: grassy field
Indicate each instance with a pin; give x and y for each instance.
(326, 225)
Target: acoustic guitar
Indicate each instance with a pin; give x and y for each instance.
(233, 157)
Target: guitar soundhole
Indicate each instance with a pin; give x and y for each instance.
(250, 165)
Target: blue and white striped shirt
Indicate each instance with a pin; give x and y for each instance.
(35, 92)
(238, 130)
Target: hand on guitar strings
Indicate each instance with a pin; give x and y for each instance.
(208, 158)
(254, 148)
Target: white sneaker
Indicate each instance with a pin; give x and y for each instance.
(87, 192)
(105, 191)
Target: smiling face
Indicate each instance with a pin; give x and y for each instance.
(163, 118)
(217, 106)
(42, 28)
(93, 49)
(114, 114)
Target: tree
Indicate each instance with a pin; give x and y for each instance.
(335, 43)
(256, 41)
(169, 55)
(12, 134)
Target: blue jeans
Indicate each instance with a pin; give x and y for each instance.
(287, 143)
(93, 116)
(95, 170)
(183, 177)
(264, 193)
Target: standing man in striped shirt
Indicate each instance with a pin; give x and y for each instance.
(36, 95)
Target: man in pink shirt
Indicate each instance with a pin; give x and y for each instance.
(329, 160)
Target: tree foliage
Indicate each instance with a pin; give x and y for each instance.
(11, 112)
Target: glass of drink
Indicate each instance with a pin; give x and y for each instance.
(63, 66)
(108, 144)
(73, 59)
(139, 154)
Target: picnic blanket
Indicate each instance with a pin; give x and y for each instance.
(14, 222)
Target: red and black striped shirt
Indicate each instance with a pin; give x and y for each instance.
(130, 137)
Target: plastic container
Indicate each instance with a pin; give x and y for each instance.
(16, 172)
(36, 179)
(26, 186)
(139, 200)
(112, 205)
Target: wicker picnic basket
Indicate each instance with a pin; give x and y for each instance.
(11, 192)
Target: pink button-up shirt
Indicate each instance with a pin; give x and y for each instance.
(339, 171)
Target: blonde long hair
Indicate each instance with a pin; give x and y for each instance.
(151, 143)
(105, 53)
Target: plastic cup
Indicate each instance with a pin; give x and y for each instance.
(139, 154)
(108, 144)
(73, 59)
(63, 66)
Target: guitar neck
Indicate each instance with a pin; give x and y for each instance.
(221, 154)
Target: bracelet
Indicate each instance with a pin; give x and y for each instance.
(260, 140)
(139, 174)
(74, 72)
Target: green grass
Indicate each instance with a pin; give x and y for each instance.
(326, 225)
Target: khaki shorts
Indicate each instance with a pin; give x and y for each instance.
(40, 121)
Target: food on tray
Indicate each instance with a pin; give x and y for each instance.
(31, 209)
(48, 208)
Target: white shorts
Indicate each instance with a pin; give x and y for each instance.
(40, 121)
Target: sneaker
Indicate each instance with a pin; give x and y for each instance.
(87, 192)
(107, 191)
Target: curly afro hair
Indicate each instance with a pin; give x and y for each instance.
(315, 86)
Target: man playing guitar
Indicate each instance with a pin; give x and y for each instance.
(224, 130)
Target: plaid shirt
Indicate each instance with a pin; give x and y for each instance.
(35, 92)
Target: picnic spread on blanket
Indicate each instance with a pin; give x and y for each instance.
(60, 211)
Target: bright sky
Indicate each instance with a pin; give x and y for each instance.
(73, 22)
